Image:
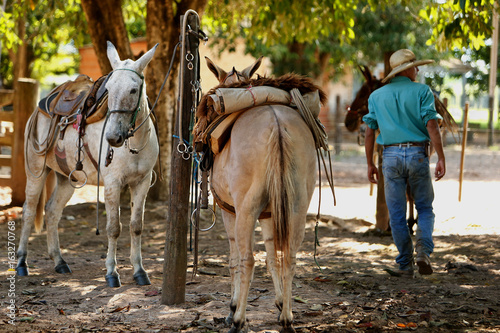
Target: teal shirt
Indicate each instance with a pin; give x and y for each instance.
(401, 110)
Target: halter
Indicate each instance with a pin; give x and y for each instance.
(136, 110)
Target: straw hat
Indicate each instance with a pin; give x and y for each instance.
(401, 60)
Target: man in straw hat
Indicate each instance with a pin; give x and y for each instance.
(404, 112)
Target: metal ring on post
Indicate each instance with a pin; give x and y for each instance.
(181, 147)
(214, 218)
(71, 182)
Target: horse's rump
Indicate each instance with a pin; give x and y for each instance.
(270, 156)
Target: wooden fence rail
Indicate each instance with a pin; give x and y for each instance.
(23, 98)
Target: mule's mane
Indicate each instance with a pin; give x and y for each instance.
(287, 82)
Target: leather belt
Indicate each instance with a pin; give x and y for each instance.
(408, 144)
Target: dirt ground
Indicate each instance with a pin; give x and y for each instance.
(352, 292)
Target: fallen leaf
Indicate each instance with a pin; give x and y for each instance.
(25, 319)
(118, 309)
(152, 293)
(321, 279)
(391, 272)
(28, 292)
(316, 307)
(401, 325)
(61, 312)
(300, 300)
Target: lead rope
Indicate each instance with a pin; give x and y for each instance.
(321, 141)
(99, 173)
(151, 113)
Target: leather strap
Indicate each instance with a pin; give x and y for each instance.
(230, 209)
(408, 144)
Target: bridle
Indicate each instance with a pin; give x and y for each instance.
(135, 111)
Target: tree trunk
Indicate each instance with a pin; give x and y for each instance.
(21, 57)
(106, 23)
(163, 26)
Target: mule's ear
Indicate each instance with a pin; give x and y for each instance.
(113, 56)
(366, 73)
(219, 73)
(250, 70)
(143, 61)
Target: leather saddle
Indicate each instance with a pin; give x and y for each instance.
(81, 96)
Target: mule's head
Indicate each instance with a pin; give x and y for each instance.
(359, 106)
(126, 94)
(233, 75)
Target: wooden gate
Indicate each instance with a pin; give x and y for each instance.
(12, 124)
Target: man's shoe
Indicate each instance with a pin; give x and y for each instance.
(406, 273)
(424, 264)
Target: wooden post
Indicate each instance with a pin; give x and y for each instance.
(25, 98)
(175, 265)
(462, 156)
(493, 75)
(338, 130)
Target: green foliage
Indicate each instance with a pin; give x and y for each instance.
(361, 35)
(48, 24)
(477, 80)
(286, 21)
(380, 30)
(134, 13)
(458, 24)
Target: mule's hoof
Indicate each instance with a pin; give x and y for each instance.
(142, 279)
(288, 329)
(236, 329)
(229, 319)
(113, 281)
(22, 270)
(63, 268)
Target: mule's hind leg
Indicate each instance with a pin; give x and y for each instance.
(137, 201)
(244, 241)
(53, 212)
(229, 220)
(113, 230)
(34, 188)
(282, 283)
(297, 235)
(272, 265)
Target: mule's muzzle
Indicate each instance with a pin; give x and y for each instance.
(116, 139)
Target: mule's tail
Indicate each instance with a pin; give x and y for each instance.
(280, 169)
(40, 211)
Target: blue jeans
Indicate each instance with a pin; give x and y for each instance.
(404, 166)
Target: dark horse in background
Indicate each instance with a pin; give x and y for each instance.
(354, 122)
